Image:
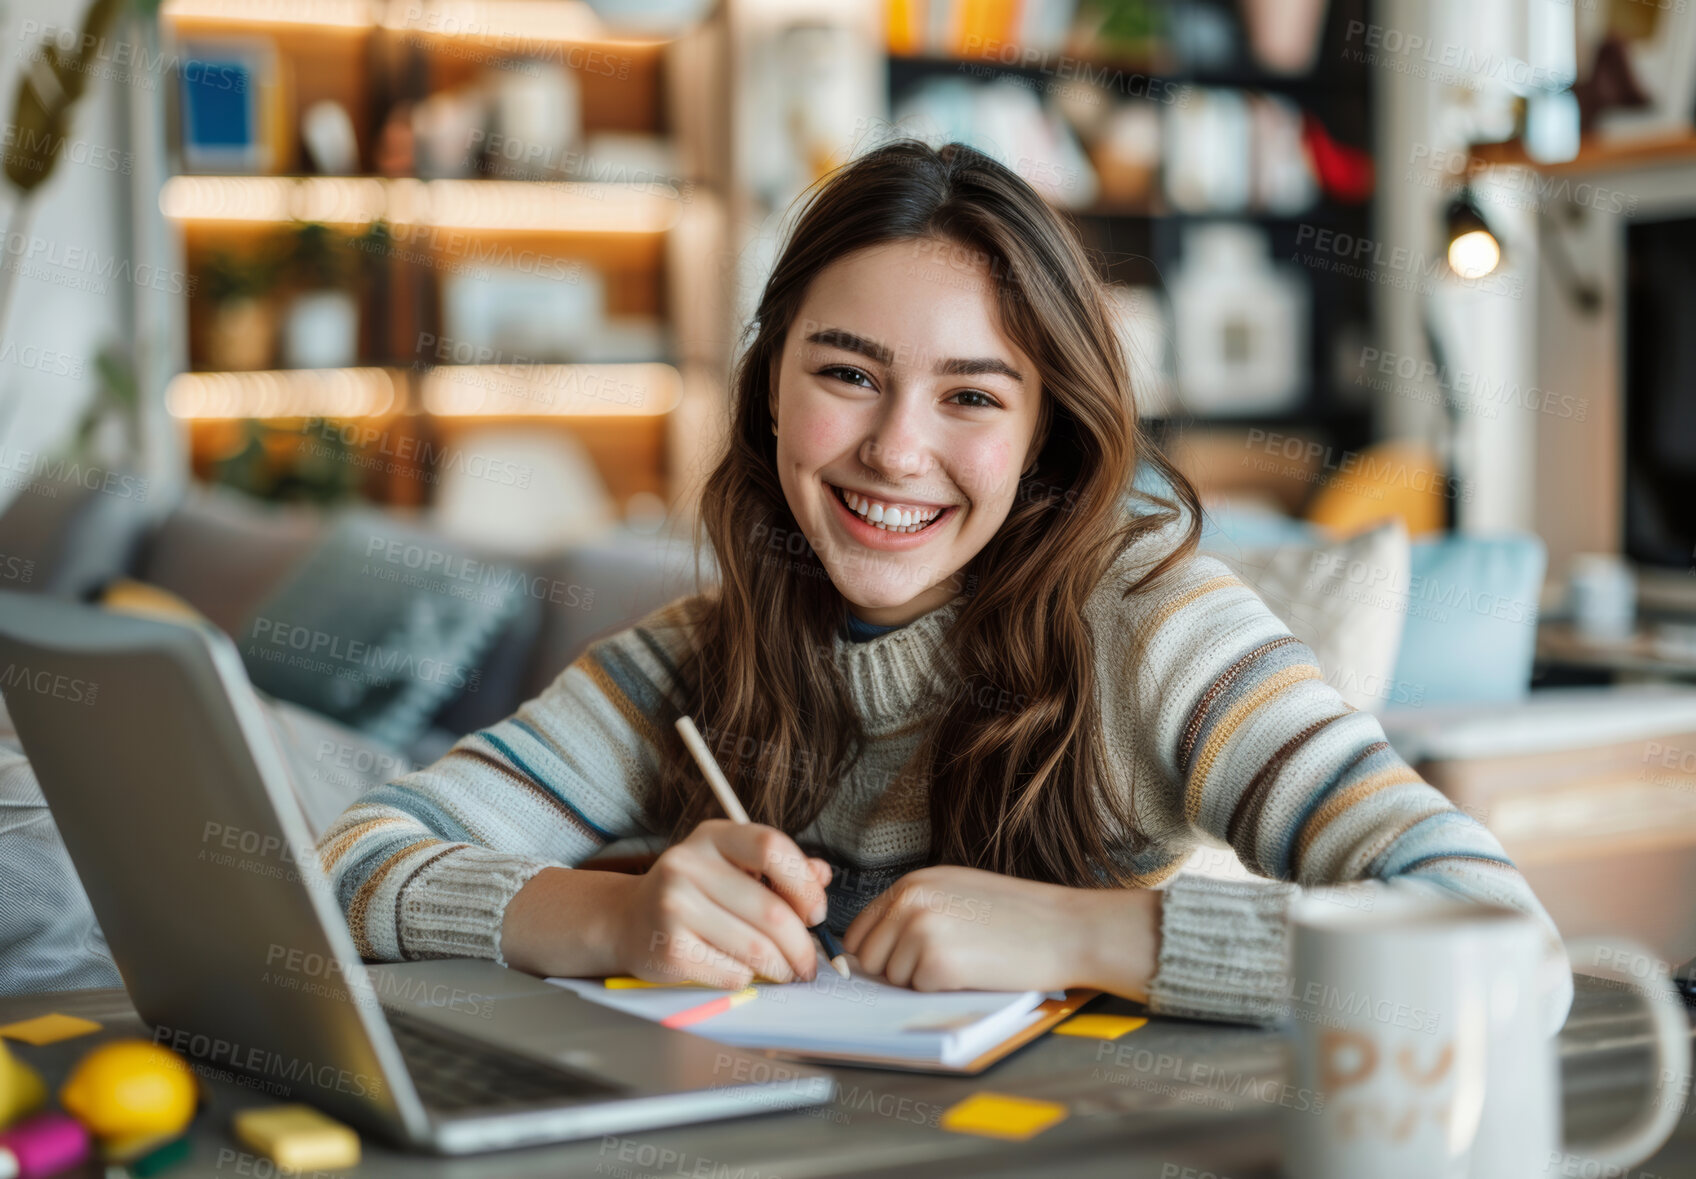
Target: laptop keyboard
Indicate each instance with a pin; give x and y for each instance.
(455, 1074)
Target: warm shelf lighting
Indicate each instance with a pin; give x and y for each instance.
(491, 206)
(516, 27)
(339, 200)
(550, 390)
(298, 393)
(557, 206)
(325, 14)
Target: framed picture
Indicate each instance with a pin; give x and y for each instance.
(230, 106)
(1663, 61)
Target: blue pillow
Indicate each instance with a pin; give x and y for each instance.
(1234, 531)
(1471, 619)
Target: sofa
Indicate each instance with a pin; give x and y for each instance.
(232, 561)
(1435, 636)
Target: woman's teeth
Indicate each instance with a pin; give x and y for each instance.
(888, 517)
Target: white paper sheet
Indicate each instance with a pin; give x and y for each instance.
(860, 1016)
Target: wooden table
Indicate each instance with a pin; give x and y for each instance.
(1173, 1100)
(1561, 646)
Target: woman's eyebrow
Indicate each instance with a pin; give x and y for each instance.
(977, 367)
(838, 338)
(959, 366)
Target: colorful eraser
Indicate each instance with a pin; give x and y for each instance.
(297, 1137)
(22, 1091)
(162, 1158)
(43, 1145)
(131, 1147)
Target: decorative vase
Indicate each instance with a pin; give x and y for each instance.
(1241, 323)
(322, 330)
(1284, 34)
(242, 335)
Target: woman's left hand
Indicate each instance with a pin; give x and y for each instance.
(950, 928)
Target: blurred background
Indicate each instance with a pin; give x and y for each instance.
(417, 316)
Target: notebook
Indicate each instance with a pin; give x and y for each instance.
(854, 1020)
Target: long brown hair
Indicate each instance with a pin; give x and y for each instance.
(1019, 790)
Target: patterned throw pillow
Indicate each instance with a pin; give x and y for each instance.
(380, 626)
(1346, 599)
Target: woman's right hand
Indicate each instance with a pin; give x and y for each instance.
(703, 914)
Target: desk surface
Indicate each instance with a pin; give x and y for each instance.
(1559, 644)
(1171, 1096)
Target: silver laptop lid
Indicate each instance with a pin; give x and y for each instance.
(207, 886)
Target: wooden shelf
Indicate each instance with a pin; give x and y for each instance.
(1323, 211)
(517, 23)
(469, 206)
(1131, 79)
(517, 391)
(1596, 155)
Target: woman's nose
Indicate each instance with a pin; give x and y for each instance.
(897, 447)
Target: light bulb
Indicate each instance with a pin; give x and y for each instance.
(1474, 254)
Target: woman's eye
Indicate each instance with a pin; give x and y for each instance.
(842, 373)
(974, 398)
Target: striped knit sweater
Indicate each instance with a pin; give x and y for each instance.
(1208, 704)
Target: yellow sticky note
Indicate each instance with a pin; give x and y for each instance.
(1100, 1027)
(49, 1029)
(997, 1115)
(297, 1138)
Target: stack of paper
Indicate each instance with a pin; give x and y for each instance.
(833, 1016)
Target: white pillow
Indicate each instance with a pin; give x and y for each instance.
(1345, 599)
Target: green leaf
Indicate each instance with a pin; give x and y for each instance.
(49, 85)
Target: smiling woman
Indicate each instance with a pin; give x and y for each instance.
(886, 447)
(955, 663)
(933, 340)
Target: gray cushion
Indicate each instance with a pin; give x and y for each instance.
(63, 537)
(223, 552)
(380, 626)
(595, 589)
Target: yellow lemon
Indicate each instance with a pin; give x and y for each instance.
(130, 1087)
(21, 1088)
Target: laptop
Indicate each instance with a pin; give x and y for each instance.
(174, 802)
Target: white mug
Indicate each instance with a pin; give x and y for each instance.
(1419, 1023)
(1602, 592)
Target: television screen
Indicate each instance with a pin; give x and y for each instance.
(1659, 327)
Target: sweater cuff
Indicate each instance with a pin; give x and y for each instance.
(1224, 949)
(453, 908)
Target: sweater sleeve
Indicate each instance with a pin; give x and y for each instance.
(1250, 747)
(424, 866)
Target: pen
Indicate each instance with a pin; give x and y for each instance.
(733, 808)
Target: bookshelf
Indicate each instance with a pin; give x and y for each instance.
(1139, 242)
(458, 264)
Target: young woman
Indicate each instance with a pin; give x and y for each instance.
(979, 696)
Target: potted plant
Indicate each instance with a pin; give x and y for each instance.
(242, 326)
(321, 326)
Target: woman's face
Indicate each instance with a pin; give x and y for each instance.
(904, 420)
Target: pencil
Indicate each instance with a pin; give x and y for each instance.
(733, 808)
(712, 1007)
